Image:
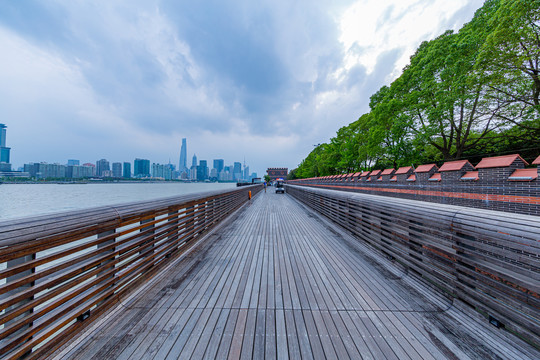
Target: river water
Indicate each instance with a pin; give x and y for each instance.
(24, 200)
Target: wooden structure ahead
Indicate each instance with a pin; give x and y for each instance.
(278, 281)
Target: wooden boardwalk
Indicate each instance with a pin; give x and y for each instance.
(277, 281)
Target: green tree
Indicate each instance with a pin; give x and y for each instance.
(509, 60)
(439, 99)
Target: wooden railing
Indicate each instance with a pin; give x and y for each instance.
(489, 260)
(60, 272)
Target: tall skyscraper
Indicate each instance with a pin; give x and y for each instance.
(102, 166)
(127, 170)
(193, 172)
(3, 135)
(4, 151)
(218, 165)
(237, 171)
(202, 170)
(182, 165)
(117, 170)
(141, 168)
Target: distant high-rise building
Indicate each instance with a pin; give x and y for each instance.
(193, 172)
(47, 171)
(202, 170)
(78, 171)
(141, 168)
(182, 165)
(92, 167)
(237, 171)
(162, 171)
(4, 151)
(219, 165)
(3, 135)
(127, 170)
(101, 166)
(72, 162)
(117, 170)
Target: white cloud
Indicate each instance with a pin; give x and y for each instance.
(372, 27)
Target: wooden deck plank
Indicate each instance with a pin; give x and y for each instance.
(296, 318)
(142, 344)
(281, 336)
(283, 292)
(431, 338)
(335, 337)
(270, 345)
(208, 343)
(186, 334)
(368, 335)
(413, 344)
(393, 338)
(249, 335)
(280, 282)
(310, 272)
(217, 335)
(292, 335)
(207, 319)
(317, 279)
(239, 334)
(294, 289)
(225, 342)
(260, 335)
(356, 337)
(332, 293)
(314, 335)
(344, 333)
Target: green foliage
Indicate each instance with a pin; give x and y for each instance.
(469, 94)
(509, 59)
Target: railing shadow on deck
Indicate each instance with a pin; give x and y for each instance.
(59, 272)
(485, 259)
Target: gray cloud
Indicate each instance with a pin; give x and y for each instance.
(126, 79)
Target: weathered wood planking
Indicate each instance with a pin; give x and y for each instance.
(490, 260)
(281, 282)
(60, 267)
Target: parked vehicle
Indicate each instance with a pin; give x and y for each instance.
(279, 186)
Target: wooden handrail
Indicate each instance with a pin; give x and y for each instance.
(489, 260)
(61, 271)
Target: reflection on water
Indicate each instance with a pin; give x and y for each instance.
(23, 200)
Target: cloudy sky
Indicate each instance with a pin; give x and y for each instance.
(261, 80)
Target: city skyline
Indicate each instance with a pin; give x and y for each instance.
(105, 168)
(143, 168)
